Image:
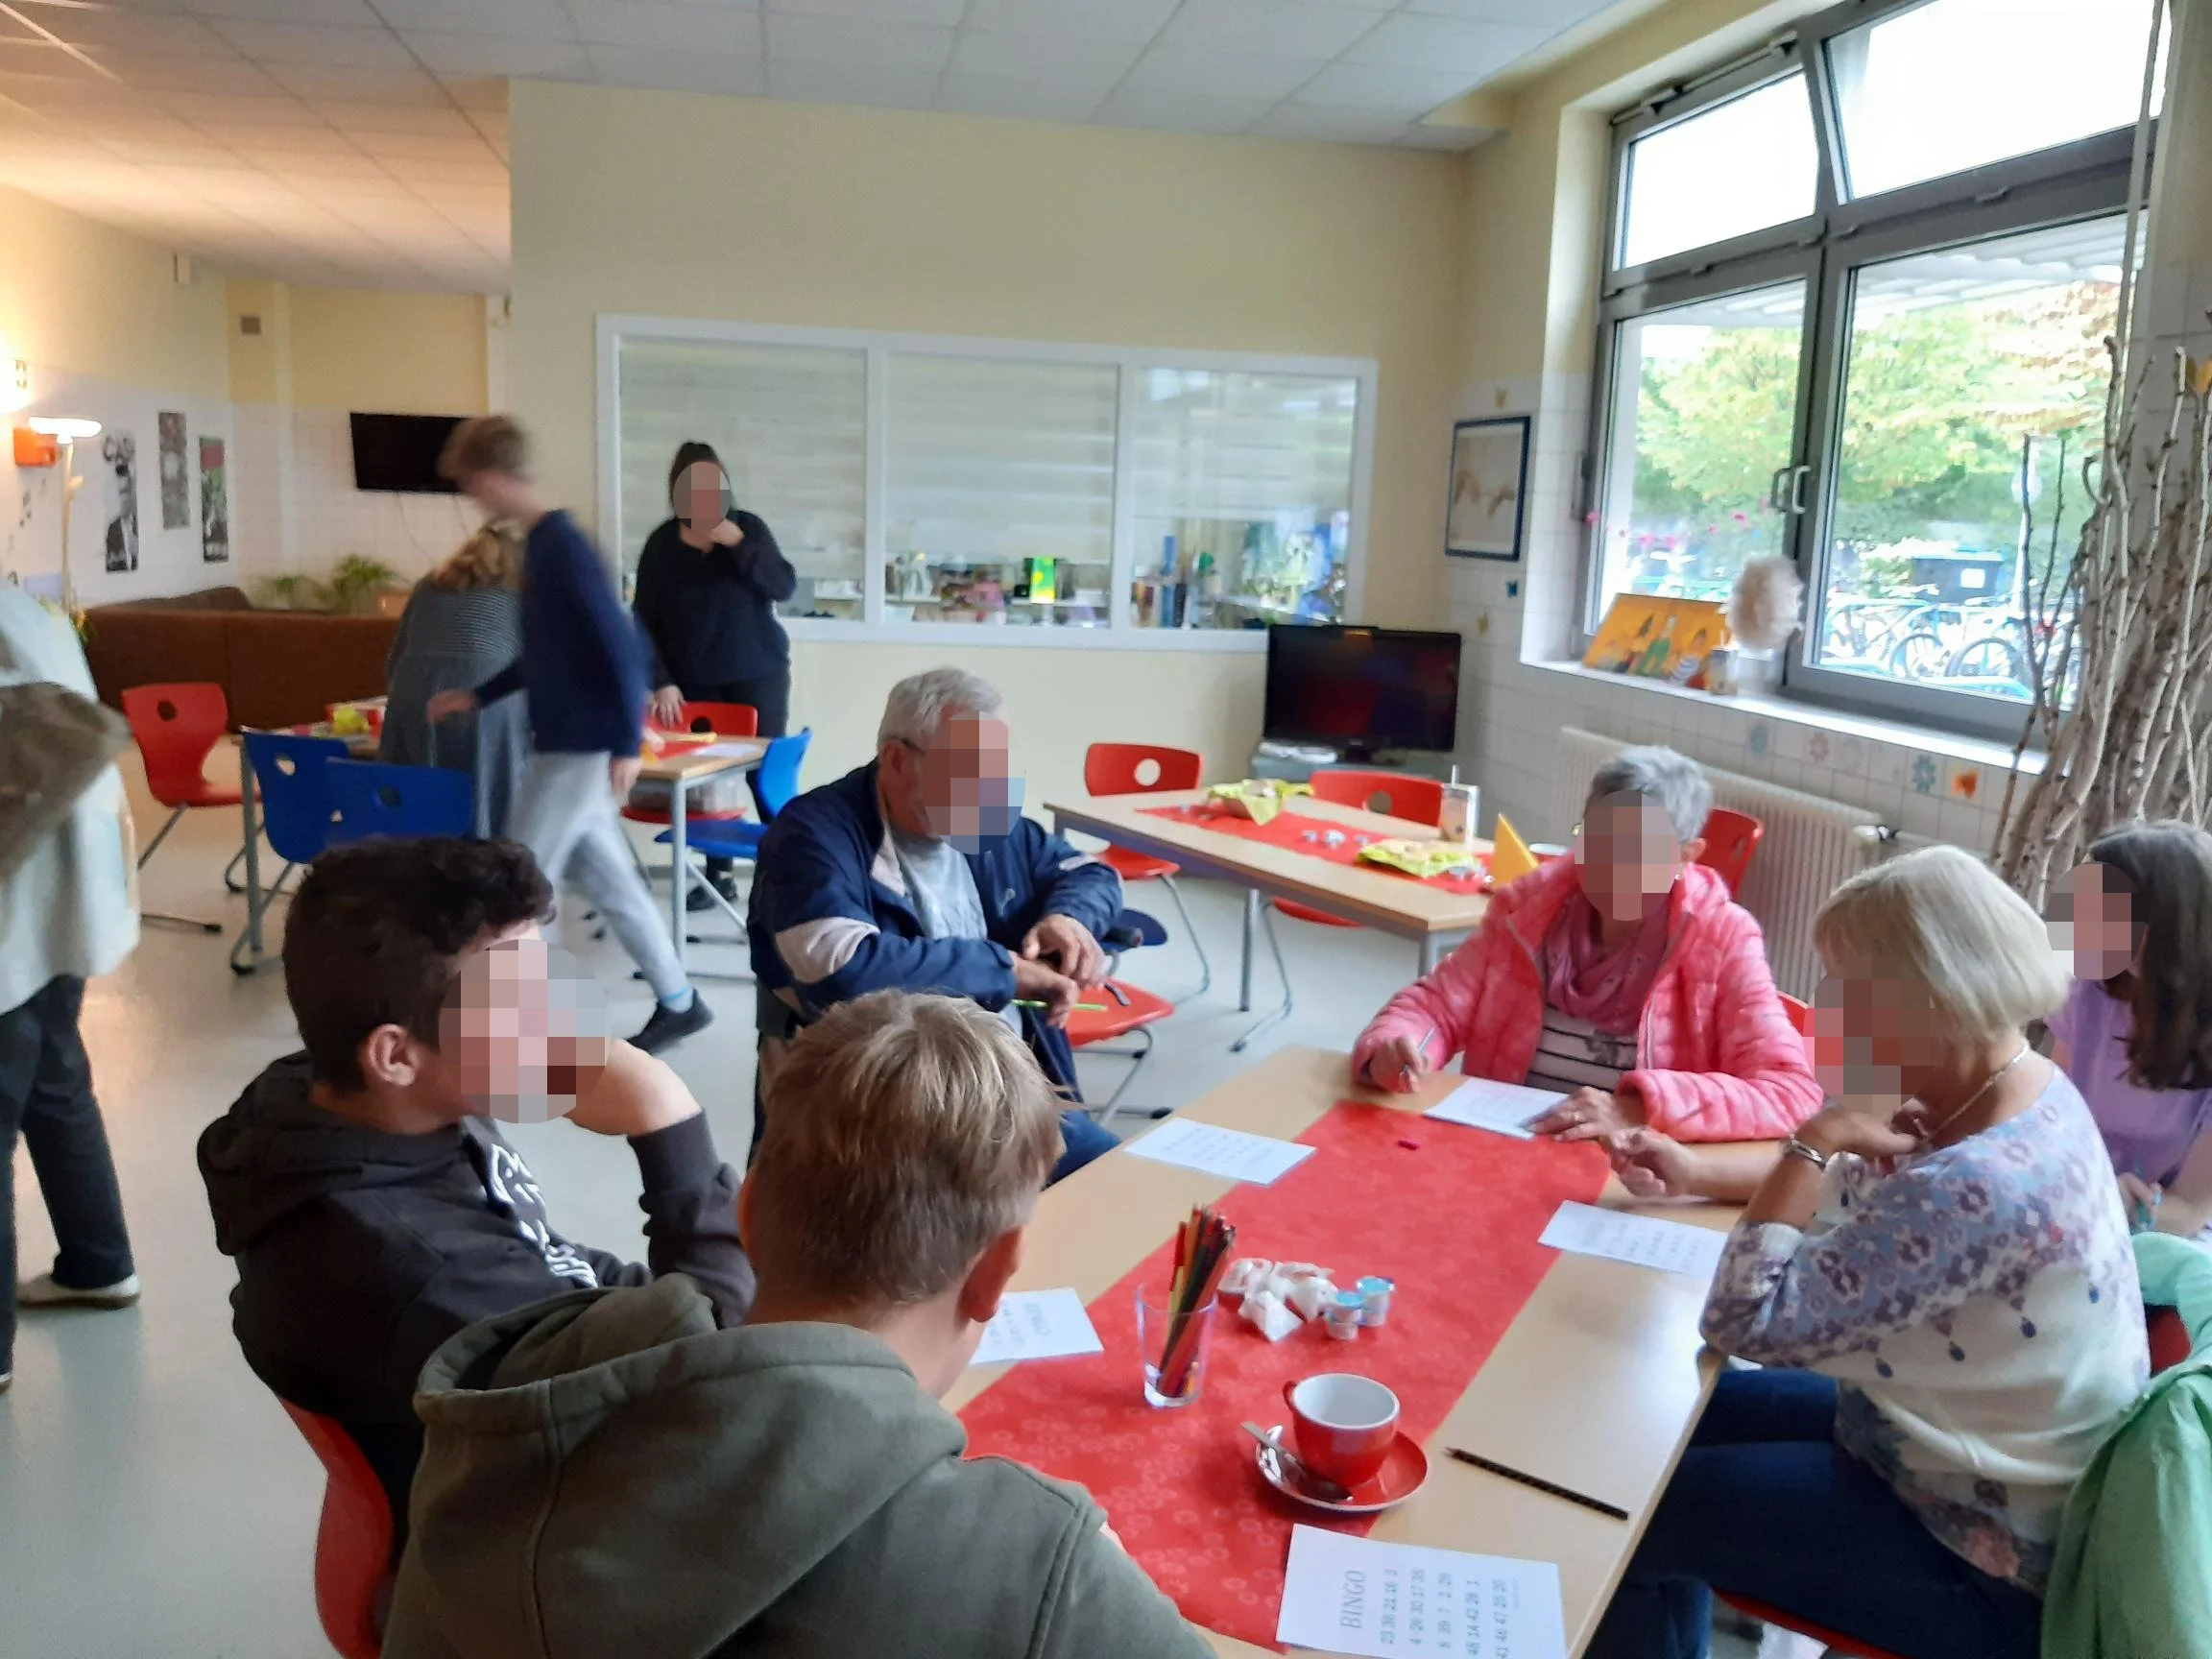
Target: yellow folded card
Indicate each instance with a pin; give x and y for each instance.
(1510, 858)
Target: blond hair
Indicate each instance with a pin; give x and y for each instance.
(487, 444)
(904, 1134)
(491, 558)
(1946, 927)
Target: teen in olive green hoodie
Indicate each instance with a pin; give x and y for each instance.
(609, 1474)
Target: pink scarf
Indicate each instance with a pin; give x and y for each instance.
(1582, 978)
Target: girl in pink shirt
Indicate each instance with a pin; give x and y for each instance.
(2136, 1034)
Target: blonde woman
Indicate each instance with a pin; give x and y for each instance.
(1936, 1276)
(462, 625)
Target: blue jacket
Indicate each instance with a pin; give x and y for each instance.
(583, 664)
(831, 919)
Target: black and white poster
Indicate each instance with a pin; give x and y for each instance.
(176, 478)
(214, 503)
(120, 451)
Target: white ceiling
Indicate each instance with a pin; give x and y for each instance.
(365, 142)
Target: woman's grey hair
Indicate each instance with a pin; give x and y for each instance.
(921, 704)
(1666, 775)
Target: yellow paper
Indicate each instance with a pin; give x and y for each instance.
(1423, 858)
(1510, 858)
(1258, 798)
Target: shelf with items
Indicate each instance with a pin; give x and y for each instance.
(1030, 592)
(1240, 571)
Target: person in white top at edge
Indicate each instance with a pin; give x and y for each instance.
(66, 915)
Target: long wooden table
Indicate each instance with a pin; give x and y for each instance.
(1595, 1386)
(1434, 918)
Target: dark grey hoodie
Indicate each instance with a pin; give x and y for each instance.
(607, 1474)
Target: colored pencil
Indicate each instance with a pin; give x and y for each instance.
(1080, 1007)
(1540, 1485)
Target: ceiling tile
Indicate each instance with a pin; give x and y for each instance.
(1370, 86)
(477, 93)
(427, 147)
(342, 13)
(1550, 15)
(391, 117)
(355, 174)
(1213, 75)
(943, 12)
(1412, 41)
(1006, 55)
(1331, 123)
(667, 25)
(850, 42)
(1181, 111)
(304, 44)
(277, 109)
(511, 54)
(722, 72)
(416, 169)
(159, 72)
(1280, 28)
(890, 88)
(1018, 100)
(42, 61)
(277, 140)
(129, 31)
(321, 82)
(531, 19)
(1087, 19)
(1420, 137)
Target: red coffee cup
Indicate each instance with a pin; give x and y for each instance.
(1342, 1425)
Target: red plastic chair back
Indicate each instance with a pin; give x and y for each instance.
(175, 725)
(353, 1544)
(2169, 1339)
(1395, 794)
(1801, 1019)
(723, 719)
(1730, 840)
(1781, 1620)
(1123, 768)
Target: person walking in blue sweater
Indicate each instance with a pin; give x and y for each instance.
(583, 670)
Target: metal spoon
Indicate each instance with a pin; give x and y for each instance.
(1328, 1491)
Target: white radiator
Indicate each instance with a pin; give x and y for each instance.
(1811, 846)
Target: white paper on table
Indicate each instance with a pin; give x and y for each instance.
(722, 752)
(1647, 1241)
(1501, 1108)
(1229, 1153)
(1357, 1596)
(1037, 1325)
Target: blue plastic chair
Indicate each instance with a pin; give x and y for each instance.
(775, 785)
(295, 805)
(373, 798)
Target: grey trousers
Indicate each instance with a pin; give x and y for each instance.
(565, 813)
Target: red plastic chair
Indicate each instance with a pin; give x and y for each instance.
(1396, 794)
(1129, 1008)
(353, 1544)
(1849, 1645)
(1149, 769)
(1730, 839)
(176, 726)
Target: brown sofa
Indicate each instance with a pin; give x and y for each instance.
(275, 667)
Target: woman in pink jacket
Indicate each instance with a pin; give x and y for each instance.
(1624, 978)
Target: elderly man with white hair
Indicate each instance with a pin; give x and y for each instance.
(918, 872)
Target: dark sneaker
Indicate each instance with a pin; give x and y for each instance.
(699, 899)
(667, 1028)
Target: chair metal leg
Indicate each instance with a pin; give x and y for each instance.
(1283, 972)
(1191, 931)
(163, 834)
(198, 922)
(231, 881)
(1104, 1115)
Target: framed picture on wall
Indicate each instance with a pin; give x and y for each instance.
(1487, 513)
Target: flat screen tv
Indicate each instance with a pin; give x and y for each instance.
(401, 451)
(1362, 689)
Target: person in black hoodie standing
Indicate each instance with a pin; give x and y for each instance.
(709, 581)
(372, 1213)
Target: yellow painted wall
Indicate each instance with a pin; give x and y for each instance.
(683, 205)
(381, 351)
(82, 297)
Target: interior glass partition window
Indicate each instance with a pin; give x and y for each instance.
(1000, 492)
(791, 425)
(1698, 443)
(1242, 497)
(1854, 314)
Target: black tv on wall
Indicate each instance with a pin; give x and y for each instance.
(401, 451)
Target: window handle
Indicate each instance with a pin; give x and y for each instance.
(1774, 488)
(1797, 477)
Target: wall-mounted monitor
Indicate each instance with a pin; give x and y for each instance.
(401, 451)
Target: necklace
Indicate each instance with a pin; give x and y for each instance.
(1928, 1139)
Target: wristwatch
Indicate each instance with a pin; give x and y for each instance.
(1796, 1148)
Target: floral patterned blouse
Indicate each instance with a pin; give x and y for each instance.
(1979, 1305)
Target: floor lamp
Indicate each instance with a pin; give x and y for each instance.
(66, 430)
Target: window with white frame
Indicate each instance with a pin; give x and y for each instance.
(1109, 494)
(1854, 310)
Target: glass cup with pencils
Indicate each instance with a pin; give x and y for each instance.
(1175, 1324)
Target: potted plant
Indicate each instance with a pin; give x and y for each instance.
(292, 591)
(357, 580)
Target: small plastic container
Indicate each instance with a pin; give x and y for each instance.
(1374, 1295)
(1343, 1315)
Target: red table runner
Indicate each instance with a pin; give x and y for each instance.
(1451, 1214)
(1291, 830)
